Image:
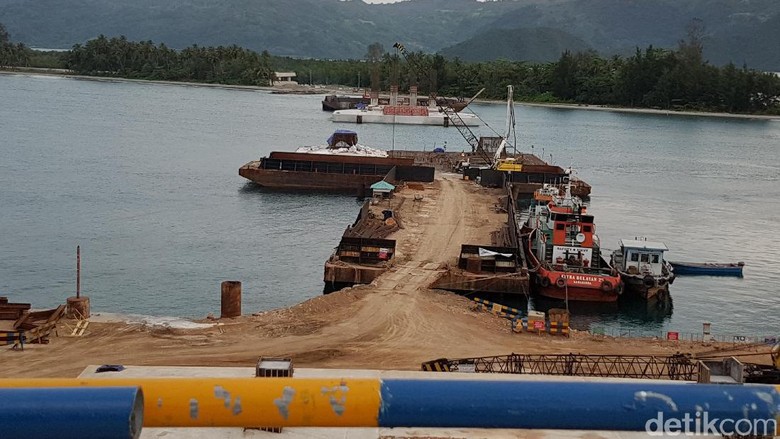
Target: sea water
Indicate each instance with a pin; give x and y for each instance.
(144, 177)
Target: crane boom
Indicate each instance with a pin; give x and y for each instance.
(507, 164)
(509, 122)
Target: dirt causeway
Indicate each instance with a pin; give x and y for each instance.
(395, 323)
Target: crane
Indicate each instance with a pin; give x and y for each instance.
(674, 367)
(421, 71)
(757, 373)
(507, 164)
(446, 107)
(417, 67)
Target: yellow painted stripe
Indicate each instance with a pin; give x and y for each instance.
(243, 402)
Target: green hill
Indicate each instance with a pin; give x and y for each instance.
(738, 31)
(534, 45)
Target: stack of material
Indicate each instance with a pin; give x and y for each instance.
(12, 311)
(372, 227)
(36, 326)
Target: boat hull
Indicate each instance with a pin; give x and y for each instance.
(307, 180)
(646, 288)
(325, 172)
(580, 287)
(570, 286)
(433, 118)
(578, 294)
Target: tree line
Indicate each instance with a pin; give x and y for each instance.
(651, 78)
(12, 54)
(233, 65)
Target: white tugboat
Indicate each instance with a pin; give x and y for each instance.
(642, 267)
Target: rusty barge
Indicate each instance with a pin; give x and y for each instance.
(363, 252)
(342, 165)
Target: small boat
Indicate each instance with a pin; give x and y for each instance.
(564, 252)
(642, 267)
(708, 268)
(341, 102)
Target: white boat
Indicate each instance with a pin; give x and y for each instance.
(401, 114)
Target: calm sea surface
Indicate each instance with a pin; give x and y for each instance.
(145, 178)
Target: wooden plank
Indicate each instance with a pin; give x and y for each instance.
(14, 306)
(79, 329)
(83, 328)
(11, 314)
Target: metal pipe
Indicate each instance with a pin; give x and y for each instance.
(78, 271)
(293, 402)
(243, 402)
(72, 412)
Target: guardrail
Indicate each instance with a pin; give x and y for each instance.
(292, 402)
(71, 412)
(684, 336)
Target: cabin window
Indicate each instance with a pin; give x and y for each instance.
(645, 257)
(634, 257)
(655, 259)
(586, 229)
(559, 226)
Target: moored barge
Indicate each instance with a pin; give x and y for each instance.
(342, 166)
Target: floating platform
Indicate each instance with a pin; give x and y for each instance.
(363, 254)
(486, 269)
(402, 115)
(358, 261)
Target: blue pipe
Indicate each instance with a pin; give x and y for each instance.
(71, 412)
(566, 405)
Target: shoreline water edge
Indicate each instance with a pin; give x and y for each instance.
(322, 90)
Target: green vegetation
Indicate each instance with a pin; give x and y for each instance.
(119, 57)
(651, 78)
(12, 54)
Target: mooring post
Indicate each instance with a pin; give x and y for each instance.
(231, 299)
(77, 306)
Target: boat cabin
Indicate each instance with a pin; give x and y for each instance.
(382, 189)
(642, 257)
(342, 139)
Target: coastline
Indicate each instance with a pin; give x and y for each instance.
(325, 90)
(395, 323)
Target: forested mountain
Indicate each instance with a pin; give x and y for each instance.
(537, 45)
(744, 32)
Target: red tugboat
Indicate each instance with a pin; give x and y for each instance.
(564, 252)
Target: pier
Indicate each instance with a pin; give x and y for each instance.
(450, 221)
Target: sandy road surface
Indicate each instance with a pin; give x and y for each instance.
(394, 324)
